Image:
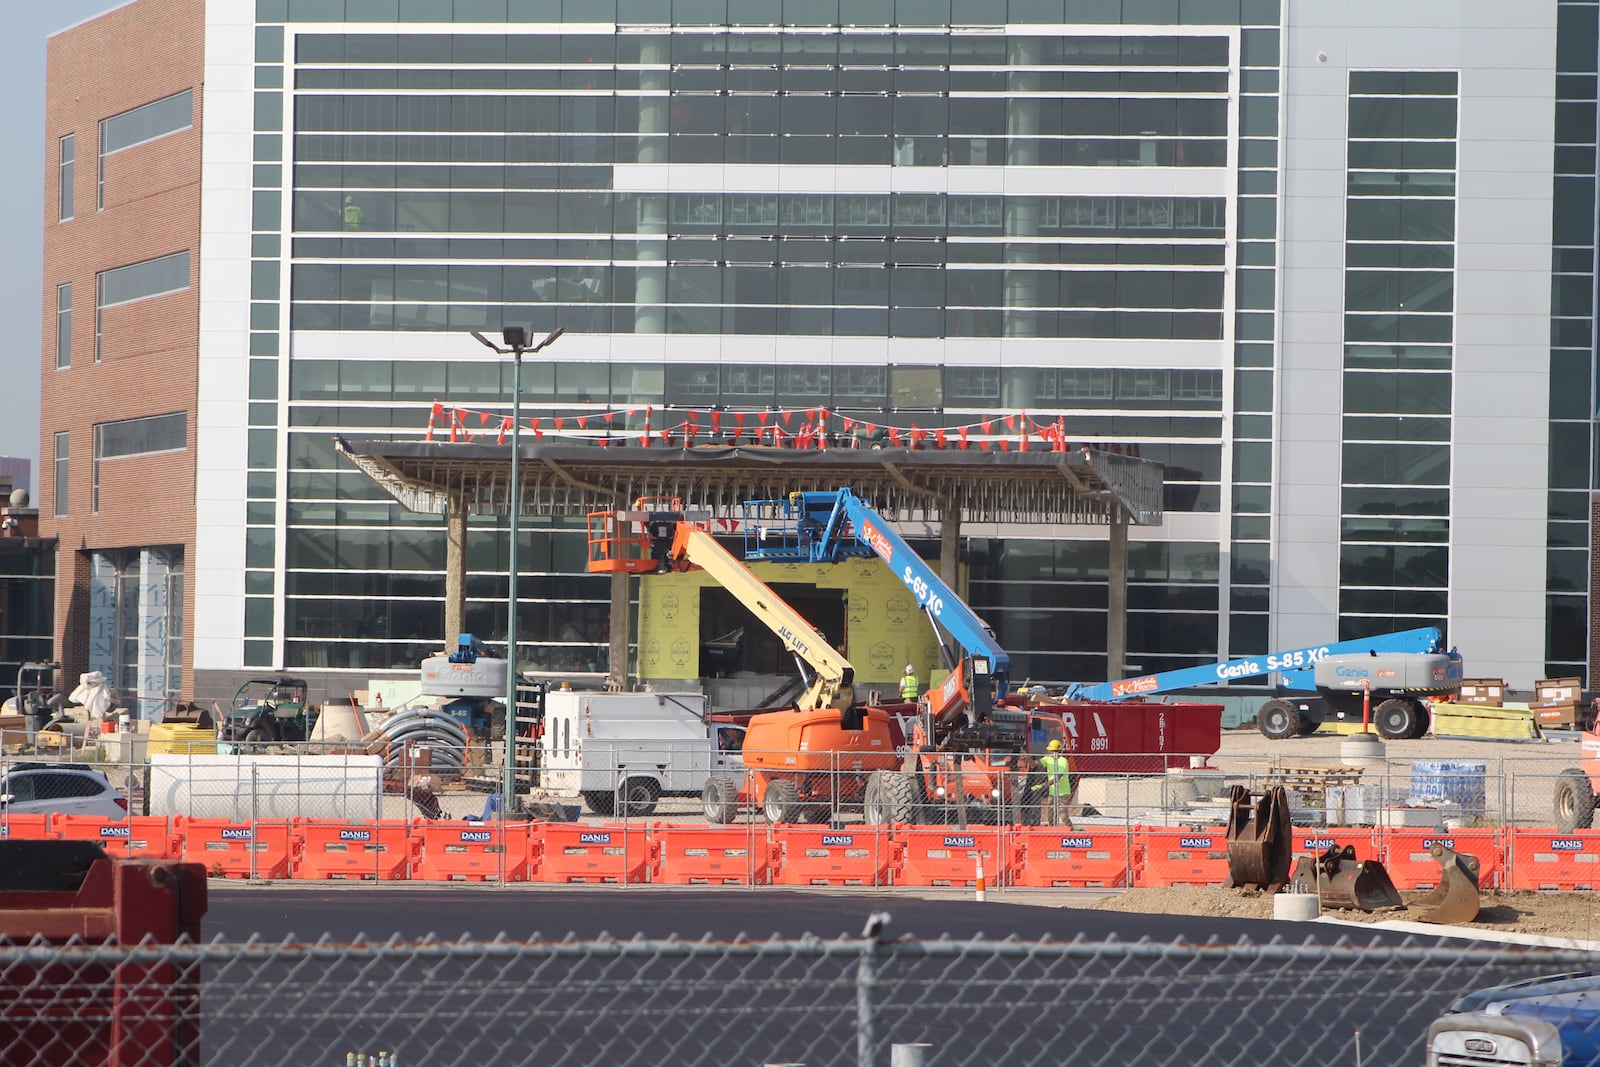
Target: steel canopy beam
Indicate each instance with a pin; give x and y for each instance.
(568, 479)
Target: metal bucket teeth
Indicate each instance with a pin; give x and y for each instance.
(1260, 840)
(1455, 899)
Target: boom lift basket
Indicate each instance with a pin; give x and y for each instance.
(1260, 841)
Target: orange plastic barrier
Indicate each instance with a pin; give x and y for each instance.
(367, 851)
(25, 827)
(950, 857)
(1544, 859)
(573, 852)
(470, 852)
(1411, 866)
(1061, 857)
(148, 837)
(713, 855)
(1314, 841)
(861, 855)
(228, 849)
(1168, 855)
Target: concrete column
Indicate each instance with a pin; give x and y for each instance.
(621, 626)
(950, 543)
(455, 572)
(1117, 599)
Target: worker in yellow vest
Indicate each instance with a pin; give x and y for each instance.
(353, 215)
(909, 685)
(1057, 785)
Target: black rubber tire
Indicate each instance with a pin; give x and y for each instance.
(1395, 719)
(1424, 721)
(636, 799)
(1304, 724)
(1276, 719)
(601, 802)
(781, 802)
(902, 794)
(1574, 802)
(255, 737)
(720, 799)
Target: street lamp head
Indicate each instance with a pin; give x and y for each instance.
(515, 336)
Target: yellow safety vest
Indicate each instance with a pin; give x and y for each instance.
(1055, 766)
(353, 216)
(909, 686)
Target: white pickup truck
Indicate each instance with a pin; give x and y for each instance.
(623, 751)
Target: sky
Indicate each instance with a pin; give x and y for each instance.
(23, 29)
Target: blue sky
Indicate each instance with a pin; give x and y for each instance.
(23, 29)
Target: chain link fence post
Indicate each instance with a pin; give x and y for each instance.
(866, 979)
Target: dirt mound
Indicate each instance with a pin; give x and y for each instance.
(1571, 915)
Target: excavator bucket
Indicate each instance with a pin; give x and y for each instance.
(1260, 839)
(1346, 882)
(1455, 898)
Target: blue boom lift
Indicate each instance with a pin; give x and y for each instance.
(1323, 683)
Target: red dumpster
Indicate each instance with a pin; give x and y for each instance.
(97, 1012)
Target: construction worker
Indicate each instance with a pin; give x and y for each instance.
(909, 685)
(1057, 785)
(352, 214)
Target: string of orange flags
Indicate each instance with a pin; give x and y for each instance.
(802, 428)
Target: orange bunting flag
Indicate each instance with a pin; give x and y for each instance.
(559, 421)
(716, 422)
(788, 416)
(939, 438)
(533, 424)
(583, 422)
(963, 438)
(1005, 445)
(538, 435)
(985, 424)
(1011, 422)
(761, 417)
(849, 424)
(894, 436)
(505, 424)
(738, 418)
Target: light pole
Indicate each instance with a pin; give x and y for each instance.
(516, 343)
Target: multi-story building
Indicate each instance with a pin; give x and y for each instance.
(1333, 265)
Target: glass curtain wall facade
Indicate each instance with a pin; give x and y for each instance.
(1571, 638)
(417, 182)
(1400, 212)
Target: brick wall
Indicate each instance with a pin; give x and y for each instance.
(131, 56)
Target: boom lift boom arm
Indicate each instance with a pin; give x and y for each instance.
(677, 544)
(1295, 666)
(828, 527)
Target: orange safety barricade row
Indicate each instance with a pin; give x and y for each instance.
(471, 852)
(1411, 866)
(25, 827)
(138, 837)
(949, 857)
(1547, 860)
(369, 851)
(1059, 857)
(263, 849)
(712, 855)
(863, 855)
(1171, 855)
(574, 852)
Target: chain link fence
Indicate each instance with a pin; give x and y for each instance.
(732, 1004)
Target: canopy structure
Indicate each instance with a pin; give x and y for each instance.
(945, 485)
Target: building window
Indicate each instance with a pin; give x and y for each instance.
(144, 123)
(63, 326)
(136, 624)
(135, 437)
(60, 487)
(136, 281)
(67, 149)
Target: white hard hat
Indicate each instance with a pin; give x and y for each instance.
(910, 669)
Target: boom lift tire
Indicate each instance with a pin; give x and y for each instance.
(720, 799)
(1396, 719)
(891, 797)
(1278, 719)
(637, 798)
(1574, 803)
(601, 802)
(781, 804)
